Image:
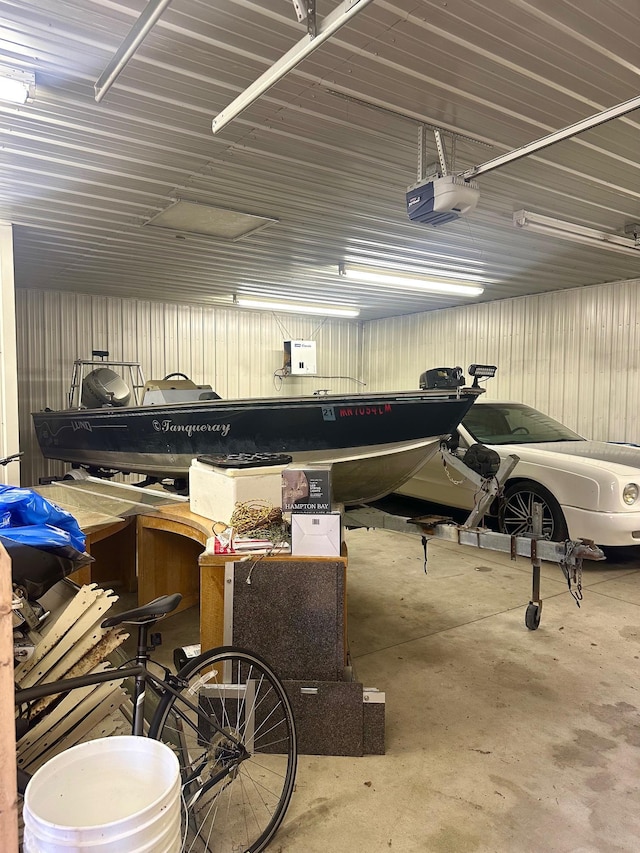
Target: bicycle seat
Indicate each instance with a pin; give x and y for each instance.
(150, 612)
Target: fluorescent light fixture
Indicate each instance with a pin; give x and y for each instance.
(295, 307)
(336, 19)
(575, 233)
(409, 282)
(16, 86)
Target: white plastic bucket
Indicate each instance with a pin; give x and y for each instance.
(112, 795)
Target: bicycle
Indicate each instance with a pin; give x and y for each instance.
(228, 718)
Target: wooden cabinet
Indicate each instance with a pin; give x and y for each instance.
(169, 544)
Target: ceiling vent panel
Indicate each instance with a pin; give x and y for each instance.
(192, 217)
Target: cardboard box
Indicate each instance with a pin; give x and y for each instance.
(306, 489)
(214, 492)
(318, 535)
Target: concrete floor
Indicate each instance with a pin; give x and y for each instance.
(498, 739)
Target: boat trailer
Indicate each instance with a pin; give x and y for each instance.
(534, 546)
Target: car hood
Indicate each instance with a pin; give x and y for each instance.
(600, 451)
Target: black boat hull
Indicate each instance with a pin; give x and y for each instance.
(375, 441)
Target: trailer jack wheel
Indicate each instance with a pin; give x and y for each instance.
(532, 615)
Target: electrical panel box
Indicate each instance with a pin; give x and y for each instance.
(300, 357)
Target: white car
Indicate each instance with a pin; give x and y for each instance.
(588, 489)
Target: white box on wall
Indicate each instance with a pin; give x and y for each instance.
(300, 357)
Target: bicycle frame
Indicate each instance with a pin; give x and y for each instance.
(64, 685)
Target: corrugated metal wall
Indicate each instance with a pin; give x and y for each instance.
(237, 352)
(575, 354)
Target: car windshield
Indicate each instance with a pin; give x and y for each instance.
(514, 423)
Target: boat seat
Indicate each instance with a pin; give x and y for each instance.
(150, 612)
(161, 392)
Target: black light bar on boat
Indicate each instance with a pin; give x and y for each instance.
(481, 371)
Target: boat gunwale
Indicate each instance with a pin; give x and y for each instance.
(305, 401)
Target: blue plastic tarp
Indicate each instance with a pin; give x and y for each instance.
(27, 517)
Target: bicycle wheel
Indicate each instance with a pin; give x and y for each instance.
(233, 731)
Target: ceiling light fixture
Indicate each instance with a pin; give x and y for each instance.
(307, 44)
(295, 307)
(17, 86)
(408, 282)
(575, 233)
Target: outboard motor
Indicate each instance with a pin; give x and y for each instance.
(442, 377)
(104, 387)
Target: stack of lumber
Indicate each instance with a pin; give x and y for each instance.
(72, 644)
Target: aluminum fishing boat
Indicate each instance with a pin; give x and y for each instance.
(375, 441)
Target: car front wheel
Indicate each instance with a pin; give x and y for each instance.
(515, 515)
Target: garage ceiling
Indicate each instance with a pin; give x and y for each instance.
(328, 152)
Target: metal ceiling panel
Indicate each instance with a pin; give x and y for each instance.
(328, 151)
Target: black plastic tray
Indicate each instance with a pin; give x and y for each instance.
(246, 460)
